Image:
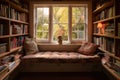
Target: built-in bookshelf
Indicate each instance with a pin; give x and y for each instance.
(106, 30)
(14, 24)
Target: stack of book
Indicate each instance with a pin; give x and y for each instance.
(107, 13)
(14, 14)
(110, 30)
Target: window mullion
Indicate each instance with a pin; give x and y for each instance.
(70, 24)
(50, 24)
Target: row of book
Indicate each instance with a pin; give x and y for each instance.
(109, 29)
(105, 43)
(107, 13)
(17, 41)
(4, 10)
(14, 14)
(18, 28)
(3, 30)
(9, 62)
(112, 63)
(99, 41)
(14, 29)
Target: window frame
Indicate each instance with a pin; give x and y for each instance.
(50, 6)
(86, 27)
(60, 23)
(49, 30)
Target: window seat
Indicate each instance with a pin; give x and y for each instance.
(60, 58)
(60, 62)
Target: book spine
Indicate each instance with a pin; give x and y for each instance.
(119, 29)
(1, 29)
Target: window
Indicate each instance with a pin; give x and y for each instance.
(78, 23)
(42, 27)
(68, 21)
(60, 23)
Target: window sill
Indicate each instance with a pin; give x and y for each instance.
(58, 47)
(55, 43)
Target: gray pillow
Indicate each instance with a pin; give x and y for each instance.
(30, 46)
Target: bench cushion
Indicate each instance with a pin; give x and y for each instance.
(60, 57)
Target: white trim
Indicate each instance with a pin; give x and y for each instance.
(70, 20)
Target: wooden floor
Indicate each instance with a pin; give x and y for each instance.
(62, 76)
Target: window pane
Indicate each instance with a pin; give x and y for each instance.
(81, 34)
(39, 34)
(60, 23)
(74, 35)
(78, 23)
(42, 23)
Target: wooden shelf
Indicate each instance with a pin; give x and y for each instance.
(17, 7)
(4, 36)
(104, 20)
(107, 13)
(15, 49)
(4, 18)
(106, 5)
(4, 54)
(117, 37)
(111, 54)
(118, 16)
(9, 52)
(16, 65)
(111, 71)
(15, 12)
(103, 35)
(17, 21)
(14, 35)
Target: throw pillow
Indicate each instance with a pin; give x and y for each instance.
(30, 46)
(88, 48)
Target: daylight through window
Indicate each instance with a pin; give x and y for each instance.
(66, 21)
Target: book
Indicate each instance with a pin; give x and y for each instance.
(25, 29)
(110, 45)
(118, 48)
(4, 10)
(1, 29)
(110, 10)
(118, 29)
